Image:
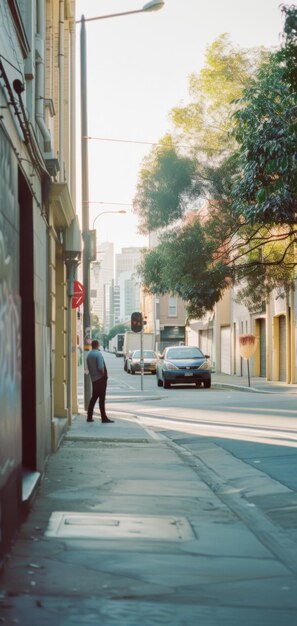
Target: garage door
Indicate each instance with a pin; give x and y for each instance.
(262, 347)
(226, 350)
(205, 342)
(282, 347)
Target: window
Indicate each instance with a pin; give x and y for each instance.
(17, 9)
(172, 306)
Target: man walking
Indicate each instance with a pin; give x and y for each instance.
(98, 373)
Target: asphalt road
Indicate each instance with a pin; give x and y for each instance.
(260, 429)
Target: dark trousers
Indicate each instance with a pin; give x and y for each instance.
(99, 391)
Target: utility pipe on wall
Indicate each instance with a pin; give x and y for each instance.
(40, 81)
(72, 114)
(61, 88)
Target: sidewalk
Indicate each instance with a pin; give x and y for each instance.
(257, 384)
(133, 528)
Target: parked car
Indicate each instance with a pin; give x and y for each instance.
(132, 342)
(183, 364)
(149, 361)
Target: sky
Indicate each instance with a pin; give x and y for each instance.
(138, 70)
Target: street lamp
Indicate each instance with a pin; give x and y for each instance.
(92, 239)
(153, 5)
(122, 211)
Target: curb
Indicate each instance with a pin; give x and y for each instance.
(249, 389)
(119, 399)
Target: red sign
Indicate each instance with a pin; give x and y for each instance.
(78, 295)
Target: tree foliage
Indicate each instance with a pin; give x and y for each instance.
(180, 265)
(266, 261)
(239, 133)
(265, 190)
(184, 167)
(167, 180)
(204, 123)
(116, 330)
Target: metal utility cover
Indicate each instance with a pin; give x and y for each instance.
(71, 525)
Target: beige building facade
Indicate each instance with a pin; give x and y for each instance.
(274, 325)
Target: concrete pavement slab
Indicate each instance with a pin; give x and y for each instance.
(119, 430)
(218, 573)
(92, 611)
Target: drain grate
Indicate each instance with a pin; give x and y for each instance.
(107, 526)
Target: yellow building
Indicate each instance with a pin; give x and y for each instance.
(60, 120)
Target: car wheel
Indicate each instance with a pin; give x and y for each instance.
(166, 384)
(207, 384)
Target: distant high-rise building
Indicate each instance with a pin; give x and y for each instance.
(102, 274)
(127, 279)
(129, 295)
(111, 306)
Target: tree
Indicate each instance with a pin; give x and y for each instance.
(167, 180)
(181, 265)
(289, 51)
(117, 330)
(245, 228)
(185, 167)
(204, 124)
(265, 127)
(96, 329)
(267, 263)
(190, 260)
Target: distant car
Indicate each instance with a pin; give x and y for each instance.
(183, 365)
(149, 362)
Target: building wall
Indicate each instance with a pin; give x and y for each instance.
(59, 116)
(25, 439)
(171, 324)
(10, 344)
(279, 336)
(34, 216)
(42, 339)
(273, 323)
(240, 321)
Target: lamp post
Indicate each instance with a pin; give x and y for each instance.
(72, 254)
(153, 5)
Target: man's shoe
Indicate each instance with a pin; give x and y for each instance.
(90, 420)
(106, 420)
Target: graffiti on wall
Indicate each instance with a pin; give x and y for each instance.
(10, 344)
(10, 328)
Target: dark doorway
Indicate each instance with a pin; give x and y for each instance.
(28, 325)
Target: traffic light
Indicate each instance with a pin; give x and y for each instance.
(136, 322)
